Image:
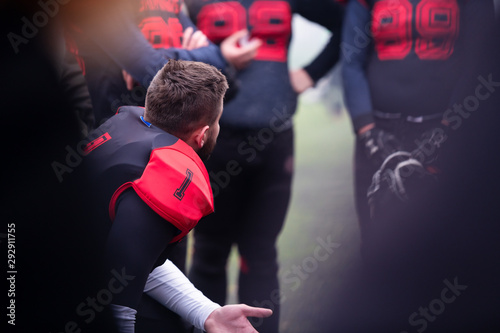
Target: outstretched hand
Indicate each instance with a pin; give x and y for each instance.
(237, 52)
(233, 319)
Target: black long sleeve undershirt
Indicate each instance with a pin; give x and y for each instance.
(138, 241)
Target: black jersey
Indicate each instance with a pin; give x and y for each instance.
(403, 57)
(127, 152)
(266, 97)
(115, 40)
(148, 190)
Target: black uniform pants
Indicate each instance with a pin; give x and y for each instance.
(251, 175)
(410, 135)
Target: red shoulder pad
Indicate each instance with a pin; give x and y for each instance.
(175, 184)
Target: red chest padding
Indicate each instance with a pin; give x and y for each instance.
(175, 184)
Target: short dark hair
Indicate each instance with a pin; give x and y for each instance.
(184, 95)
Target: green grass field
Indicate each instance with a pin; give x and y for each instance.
(321, 211)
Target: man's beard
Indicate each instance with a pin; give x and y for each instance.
(207, 149)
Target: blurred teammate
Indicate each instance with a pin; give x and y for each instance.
(251, 169)
(151, 188)
(401, 64)
(415, 71)
(138, 37)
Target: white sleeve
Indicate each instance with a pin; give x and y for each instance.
(169, 286)
(124, 318)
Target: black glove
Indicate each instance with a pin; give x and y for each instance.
(378, 144)
(399, 179)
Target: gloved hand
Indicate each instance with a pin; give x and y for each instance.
(378, 144)
(399, 179)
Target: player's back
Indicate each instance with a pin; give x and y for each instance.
(118, 151)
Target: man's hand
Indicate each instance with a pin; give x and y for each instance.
(193, 39)
(300, 80)
(238, 53)
(377, 144)
(233, 319)
(129, 80)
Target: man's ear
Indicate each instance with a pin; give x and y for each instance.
(199, 136)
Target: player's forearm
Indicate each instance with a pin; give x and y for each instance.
(120, 38)
(325, 61)
(357, 95)
(169, 286)
(210, 54)
(329, 15)
(354, 55)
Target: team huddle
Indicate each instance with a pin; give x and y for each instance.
(248, 43)
(187, 112)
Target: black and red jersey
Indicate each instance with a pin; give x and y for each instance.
(402, 57)
(128, 153)
(266, 97)
(139, 36)
(159, 22)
